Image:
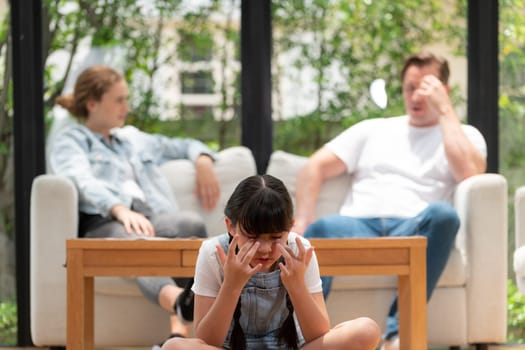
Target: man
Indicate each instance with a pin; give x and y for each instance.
(404, 169)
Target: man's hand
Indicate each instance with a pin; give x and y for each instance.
(134, 223)
(206, 184)
(436, 95)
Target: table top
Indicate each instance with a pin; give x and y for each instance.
(185, 243)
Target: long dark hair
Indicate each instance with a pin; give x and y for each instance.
(262, 204)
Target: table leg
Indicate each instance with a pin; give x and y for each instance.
(403, 308)
(89, 312)
(412, 302)
(418, 302)
(75, 301)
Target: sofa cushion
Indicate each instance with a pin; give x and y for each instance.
(285, 166)
(231, 166)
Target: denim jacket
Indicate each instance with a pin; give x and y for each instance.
(97, 167)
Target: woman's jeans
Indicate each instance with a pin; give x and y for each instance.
(439, 222)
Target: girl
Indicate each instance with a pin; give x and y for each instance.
(258, 286)
(122, 193)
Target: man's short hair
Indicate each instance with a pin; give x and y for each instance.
(423, 59)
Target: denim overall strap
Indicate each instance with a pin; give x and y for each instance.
(263, 310)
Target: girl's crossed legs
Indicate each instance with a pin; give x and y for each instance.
(359, 334)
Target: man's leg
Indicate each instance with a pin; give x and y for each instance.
(338, 226)
(439, 222)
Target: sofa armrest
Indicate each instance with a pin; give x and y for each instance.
(481, 202)
(53, 219)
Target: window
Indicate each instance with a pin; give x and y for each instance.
(197, 82)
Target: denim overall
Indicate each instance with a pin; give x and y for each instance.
(263, 310)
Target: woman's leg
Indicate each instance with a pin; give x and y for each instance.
(183, 224)
(160, 290)
(359, 334)
(151, 287)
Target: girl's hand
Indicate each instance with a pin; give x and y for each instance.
(292, 272)
(237, 268)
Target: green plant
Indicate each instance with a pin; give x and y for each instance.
(8, 323)
(515, 313)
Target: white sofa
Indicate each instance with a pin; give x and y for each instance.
(469, 305)
(123, 317)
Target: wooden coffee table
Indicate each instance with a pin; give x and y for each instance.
(88, 258)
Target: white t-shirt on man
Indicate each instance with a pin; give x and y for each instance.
(397, 169)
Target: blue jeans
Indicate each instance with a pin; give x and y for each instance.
(439, 222)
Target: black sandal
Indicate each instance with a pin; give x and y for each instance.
(184, 304)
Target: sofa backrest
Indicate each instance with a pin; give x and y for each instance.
(232, 165)
(285, 166)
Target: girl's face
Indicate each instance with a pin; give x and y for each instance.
(111, 111)
(268, 252)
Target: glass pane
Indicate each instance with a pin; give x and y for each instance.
(512, 140)
(327, 54)
(175, 54)
(8, 316)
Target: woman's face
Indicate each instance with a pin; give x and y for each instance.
(268, 252)
(111, 111)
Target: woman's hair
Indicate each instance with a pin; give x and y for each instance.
(91, 84)
(262, 204)
(424, 59)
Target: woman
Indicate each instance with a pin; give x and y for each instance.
(121, 191)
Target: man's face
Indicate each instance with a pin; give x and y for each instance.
(416, 105)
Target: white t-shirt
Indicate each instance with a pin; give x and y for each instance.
(209, 273)
(397, 169)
